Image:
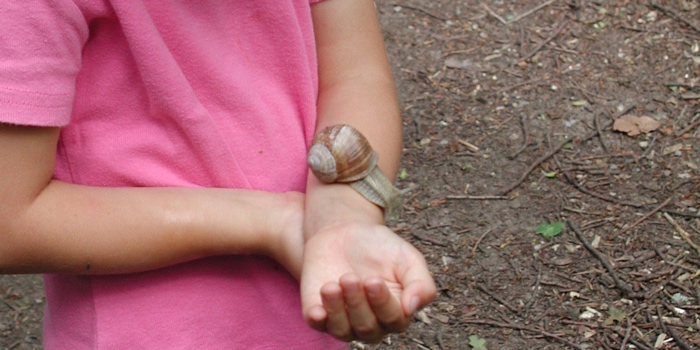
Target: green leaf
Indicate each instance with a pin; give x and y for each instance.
(579, 103)
(403, 174)
(679, 299)
(551, 174)
(477, 343)
(550, 230)
(615, 315)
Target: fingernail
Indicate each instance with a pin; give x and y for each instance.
(413, 305)
(374, 290)
(351, 289)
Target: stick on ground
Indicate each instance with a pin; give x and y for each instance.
(665, 203)
(622, 286)
(683, 233)
(673, 13)
(524, 328)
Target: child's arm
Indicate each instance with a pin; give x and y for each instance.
(51, 226)
(359, 279)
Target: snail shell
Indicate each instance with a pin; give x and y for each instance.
(340, 153)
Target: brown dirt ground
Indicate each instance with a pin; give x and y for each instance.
(508, 107)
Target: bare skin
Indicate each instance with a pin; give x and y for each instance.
(370, 280)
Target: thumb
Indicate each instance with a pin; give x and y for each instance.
(419, 289)
(311, 304)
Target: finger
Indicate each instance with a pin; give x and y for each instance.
(315, 317)
(419, 288)
(362, 319)
(387, 309)
(312, 306)
(337, 322)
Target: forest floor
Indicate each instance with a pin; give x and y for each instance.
(554, 146)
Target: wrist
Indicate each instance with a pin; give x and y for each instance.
(334, 205)
(283, 240)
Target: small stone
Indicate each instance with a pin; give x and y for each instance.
(652, 16)
(643, 144)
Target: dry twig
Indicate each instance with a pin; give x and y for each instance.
(684, 234)
(531, 11)
(478, 241)
(493, 14)
(671, 12)
(526, 137)
(524, 328)
(432, 240)
(553, 151)
(600, 134)
(591, 193)
(665, 203)
(539, 47)
(498, 299)
(622, 286)
(679, 341)
(478, 197)
(628, 333)
(425, 12)
(688, 128)
(533, 167)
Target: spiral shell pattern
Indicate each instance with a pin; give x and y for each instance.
(340, 153)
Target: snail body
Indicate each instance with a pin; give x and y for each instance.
(340, 153)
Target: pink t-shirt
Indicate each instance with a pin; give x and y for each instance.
(204, 93)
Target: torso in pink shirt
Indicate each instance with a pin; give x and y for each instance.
(170, 93)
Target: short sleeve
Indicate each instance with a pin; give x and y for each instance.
(314, 1)
(40, 56)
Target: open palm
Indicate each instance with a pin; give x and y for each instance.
(362, 281)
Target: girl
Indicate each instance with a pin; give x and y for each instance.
(152, 160)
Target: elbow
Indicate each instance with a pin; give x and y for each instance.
(11, 246)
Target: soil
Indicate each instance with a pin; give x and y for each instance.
(508, 121)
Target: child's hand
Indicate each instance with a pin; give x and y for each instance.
(360, 281)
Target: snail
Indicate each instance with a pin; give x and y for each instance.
(340, 153)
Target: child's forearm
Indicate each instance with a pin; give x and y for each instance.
(78, 229)
(52, 226)
(356, 87)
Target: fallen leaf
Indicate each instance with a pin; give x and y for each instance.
(454, 62)
(672, 149)
(562, 261)
(660, 341)
(477, 343)
(627, 125)
(634, 125)
(647, 124)
(442, 318)
(615, 314)
(587, 315)
(550, 230)
(423, 316)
